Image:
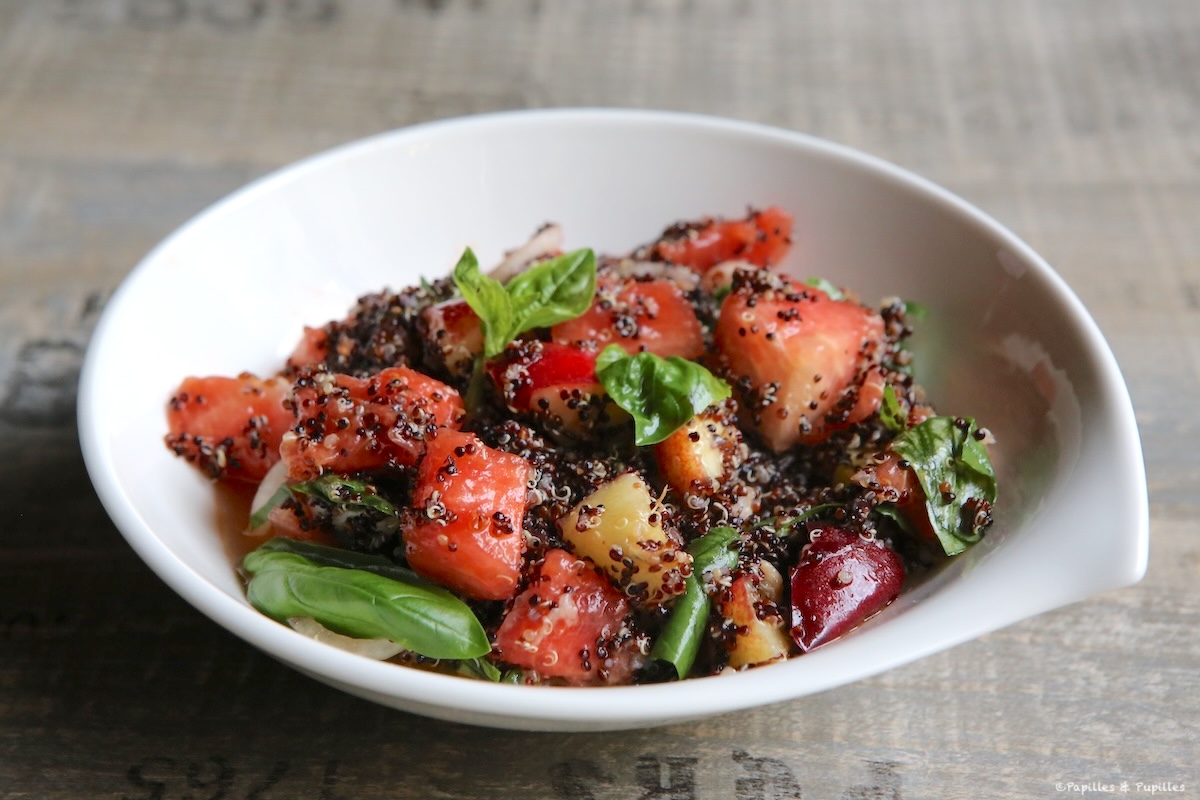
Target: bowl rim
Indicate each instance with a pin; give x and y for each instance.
(553, 707)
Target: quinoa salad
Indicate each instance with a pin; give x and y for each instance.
(580, 469)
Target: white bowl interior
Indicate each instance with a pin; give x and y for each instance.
(1005, 341)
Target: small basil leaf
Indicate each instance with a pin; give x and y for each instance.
(975, 456)
(553, 291)
(954, 470)
(915, 310)
(890, 412)
(488, 299)
(348, 497)
(345, 492)
(480, 668)
(828, 288)
(661, 394)
(364, 605)
(684, 632)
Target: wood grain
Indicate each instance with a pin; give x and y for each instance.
(1076, 123)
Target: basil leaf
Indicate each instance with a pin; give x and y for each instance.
(915, 310)
(946, 456)
(890, 412)
(365, 605)
(349, 494)
(828, 288)
(553, 291)
(346, 494)
(975, 456)
(661, 394)
(488, 299)
(480, 668)
(684, 632)
(326, 556)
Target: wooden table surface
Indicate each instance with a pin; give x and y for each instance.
(1075, 123)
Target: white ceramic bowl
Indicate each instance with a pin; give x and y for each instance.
(1005, 340)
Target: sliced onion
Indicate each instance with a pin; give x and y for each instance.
(379, 649)
(276, 476)
(548, 239)
(683, 277)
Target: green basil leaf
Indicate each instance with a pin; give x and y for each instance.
(890, 412)
(661, 394)
(325, 556)
(364, 605)
(975, 456)
(945, 455)
(480, 668)
(553, 291)
(915, 310)
(684, 632)
(488, 299)
(828, 288)
(345, 492)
